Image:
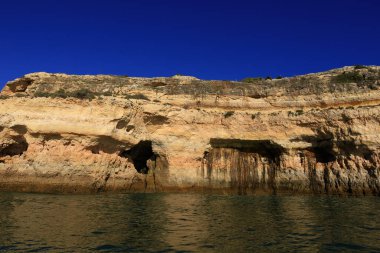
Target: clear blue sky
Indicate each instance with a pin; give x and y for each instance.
(210, 39)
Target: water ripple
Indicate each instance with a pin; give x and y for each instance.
(187, 223)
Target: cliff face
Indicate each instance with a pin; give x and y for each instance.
(317, 133)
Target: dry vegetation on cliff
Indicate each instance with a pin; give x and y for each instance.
(348, 80)
(312, 133)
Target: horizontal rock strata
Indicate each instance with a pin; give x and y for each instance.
(317, 133)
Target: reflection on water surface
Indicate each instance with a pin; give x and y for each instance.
(187, 222)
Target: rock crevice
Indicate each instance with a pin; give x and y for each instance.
(317, 133)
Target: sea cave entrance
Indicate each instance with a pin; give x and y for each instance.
(140, 154)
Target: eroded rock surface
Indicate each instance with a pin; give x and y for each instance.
(318, 133)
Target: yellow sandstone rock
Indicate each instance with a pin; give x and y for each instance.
(317, 133)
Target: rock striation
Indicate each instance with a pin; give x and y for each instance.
(316, 133)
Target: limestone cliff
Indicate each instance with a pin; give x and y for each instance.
(317, 133)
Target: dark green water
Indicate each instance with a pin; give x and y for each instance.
(188, 222)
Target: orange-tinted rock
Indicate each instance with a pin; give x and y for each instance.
(308, 134)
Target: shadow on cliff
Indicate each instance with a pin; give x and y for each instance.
(140, 154)
(17, 146)
(250, 164)
(326, 149)
(327, 165)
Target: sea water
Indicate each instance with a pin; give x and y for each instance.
(166, 222)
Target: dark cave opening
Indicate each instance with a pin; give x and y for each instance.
(323, 154)
(18, 147)
(140, 154)
(357, 149)
(249, 164)
(265, 148)
(326, 149)
(322, 146)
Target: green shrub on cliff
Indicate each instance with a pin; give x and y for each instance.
(83, 94)
(20, 95)
(80, 94)
(348, 77)
(42, 94)
(251, 79)
(61, 93)
(360, 67)
(107, 94)
(296, 113)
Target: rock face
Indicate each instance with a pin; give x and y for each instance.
(317, 133)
